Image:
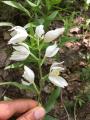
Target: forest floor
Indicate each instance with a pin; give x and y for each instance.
(75, 56)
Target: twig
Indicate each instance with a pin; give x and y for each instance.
(64, 106)
(75, 106)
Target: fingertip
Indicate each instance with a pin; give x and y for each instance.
(9, 108)
(37, 113)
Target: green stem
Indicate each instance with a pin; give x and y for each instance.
(75, 106)
(34, 56)
(36, 88)
(32, 37)
(6, 83)
(41, 82)
(43, 60)
(45, 77)
(39, 64)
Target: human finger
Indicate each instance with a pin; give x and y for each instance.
(8, 109)
(37, 113)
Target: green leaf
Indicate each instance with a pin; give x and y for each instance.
(81, 102)
(48, 117)
(15, 65)
(17, 5)
(52, 99)
(29, 25)
(51, 3)
(52, 16)
(38, 2)
(31, 4)
(48, 4)
(6, 24)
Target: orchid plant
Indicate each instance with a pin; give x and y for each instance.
(37, 47)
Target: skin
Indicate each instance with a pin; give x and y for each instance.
(24, 109)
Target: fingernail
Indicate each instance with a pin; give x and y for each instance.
(39, 113)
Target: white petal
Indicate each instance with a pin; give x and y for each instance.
(18, 34)
(19, 29)
(24, 82)
(39, 31)
(28, 74)
(17, 56)
(22, 49)
(58, 81)
(51, 50)
(21, 53)
(55, 66)
(25, 45)
(53, 34)
(17, 39)
(13, 33)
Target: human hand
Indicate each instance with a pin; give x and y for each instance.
(28, 109)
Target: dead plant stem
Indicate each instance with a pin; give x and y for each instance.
(62, 101)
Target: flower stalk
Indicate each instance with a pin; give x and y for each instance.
(35, 87)
(64, 106)
(34, 56)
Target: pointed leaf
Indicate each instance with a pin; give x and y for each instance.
(17, 5)
(6, 24)
(13, 66)
(52, 99)
(31, 4)
(52, 16)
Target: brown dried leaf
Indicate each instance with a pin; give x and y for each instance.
(75, 30)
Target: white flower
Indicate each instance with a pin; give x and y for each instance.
(54, 76)
(50, 35)
(39, 32)
(56, 65)
(28, 74)
(51, 50)
(53, 34)
(88, 1)
(18, 34)
(21, 53)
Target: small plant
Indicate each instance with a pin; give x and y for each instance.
(32, 50)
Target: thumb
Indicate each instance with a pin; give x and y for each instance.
(35, 114)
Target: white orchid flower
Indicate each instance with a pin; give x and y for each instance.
(50, 35)
(57, 65)
(18, 34)
(28, 75)
(21, 52)
(39, 32)
(53, 34)
(51, 50)
(54, 76)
